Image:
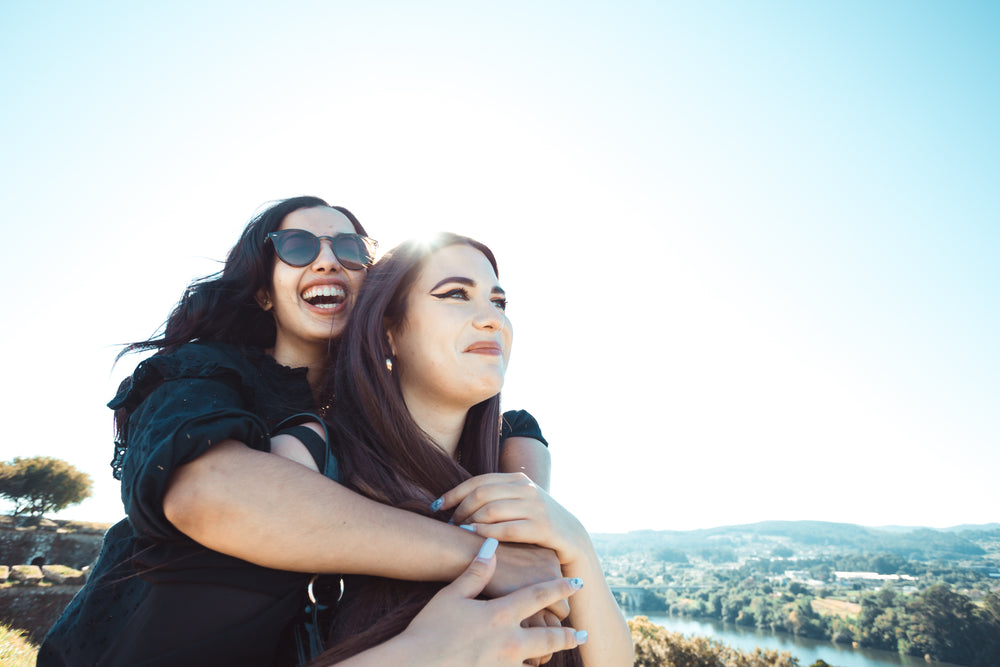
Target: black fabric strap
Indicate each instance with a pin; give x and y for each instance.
(311, 439)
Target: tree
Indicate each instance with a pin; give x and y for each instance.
(42, 484)
(943, 625)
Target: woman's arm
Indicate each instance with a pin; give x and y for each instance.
(512, 508)
(274, 512)
(528, 456)
(456, 629)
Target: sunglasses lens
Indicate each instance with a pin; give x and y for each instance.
(352, 252)
(296, 247)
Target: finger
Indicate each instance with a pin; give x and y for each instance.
(543, 619)
(536, 620)
(509, 531)
(473, 580)
(546, 641)
(503, 509)
(549, 620)
(488, 494)
(458, 494)
(531, 599)
(559, 609)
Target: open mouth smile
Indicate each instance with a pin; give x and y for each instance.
(324, 296)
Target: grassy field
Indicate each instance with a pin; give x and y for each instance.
(828, 607)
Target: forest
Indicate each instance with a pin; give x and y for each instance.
(921, 592)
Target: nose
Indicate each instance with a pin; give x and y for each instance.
(326, 261)
(489, 317)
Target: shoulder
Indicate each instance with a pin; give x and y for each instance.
(221, 362)
(520, 423)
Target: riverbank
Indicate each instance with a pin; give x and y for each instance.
(807, 651)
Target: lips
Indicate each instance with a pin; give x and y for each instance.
(485, 347)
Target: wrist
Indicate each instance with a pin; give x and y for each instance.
(460, 548)
(579, 547)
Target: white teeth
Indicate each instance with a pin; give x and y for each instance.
(323, 290)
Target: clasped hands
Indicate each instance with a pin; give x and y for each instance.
(512, 509)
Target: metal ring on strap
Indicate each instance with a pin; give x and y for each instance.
(309, 589)
(312, 595)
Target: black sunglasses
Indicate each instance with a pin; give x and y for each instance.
(297, 247)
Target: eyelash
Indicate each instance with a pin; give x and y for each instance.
(500, 302)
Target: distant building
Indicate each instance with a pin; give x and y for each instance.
(873, 576)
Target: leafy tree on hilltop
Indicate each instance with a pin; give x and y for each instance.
(42, 484)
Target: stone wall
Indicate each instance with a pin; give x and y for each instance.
(34, 608)
(32, 597)
(39, 546)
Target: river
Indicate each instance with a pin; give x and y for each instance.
(807, 651)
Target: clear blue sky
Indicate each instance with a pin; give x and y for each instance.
(751, 248)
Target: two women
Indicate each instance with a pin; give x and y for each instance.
(416, 425)
(212, 563)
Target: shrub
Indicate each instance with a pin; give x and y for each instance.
(657, 647)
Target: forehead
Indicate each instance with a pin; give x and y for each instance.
(321, 221)
(456, 261)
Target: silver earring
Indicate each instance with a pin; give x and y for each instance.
(388, 364)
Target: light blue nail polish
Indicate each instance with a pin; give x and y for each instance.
(436, 505)
(468, 527)
(488, 549)
(576, 583)
(581, 637)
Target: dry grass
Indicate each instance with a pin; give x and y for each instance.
(829, 607)
(15, 650)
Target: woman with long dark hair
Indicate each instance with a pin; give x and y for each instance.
(213, 561)
(416, 425)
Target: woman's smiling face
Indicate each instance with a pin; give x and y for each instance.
(454, 343)
(311, 304)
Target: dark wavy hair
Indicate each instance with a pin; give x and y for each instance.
(222, 307)
(382, 452)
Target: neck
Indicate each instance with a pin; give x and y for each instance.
(441, 422)
(315, 359)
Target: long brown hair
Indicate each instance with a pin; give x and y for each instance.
(382, 452)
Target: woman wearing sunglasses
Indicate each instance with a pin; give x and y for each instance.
(213, 562)
(416, 426)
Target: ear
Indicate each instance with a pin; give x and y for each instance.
(263, 299)
(392, 344)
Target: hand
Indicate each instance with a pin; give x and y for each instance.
(520, 565)
(541, 619)
(455, 628)
(511, 508)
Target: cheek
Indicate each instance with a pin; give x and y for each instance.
(282, 284)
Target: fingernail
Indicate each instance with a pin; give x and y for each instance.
(488, 549)
(576, 583)
(436, 505)
(468, 527)
(581, 637)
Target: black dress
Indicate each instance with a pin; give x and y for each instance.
(156, 597)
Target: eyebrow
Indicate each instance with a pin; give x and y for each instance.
(461, 280)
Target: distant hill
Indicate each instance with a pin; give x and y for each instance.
(811, 538)
(951, 529)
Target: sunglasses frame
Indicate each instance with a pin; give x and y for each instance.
(370, 244)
